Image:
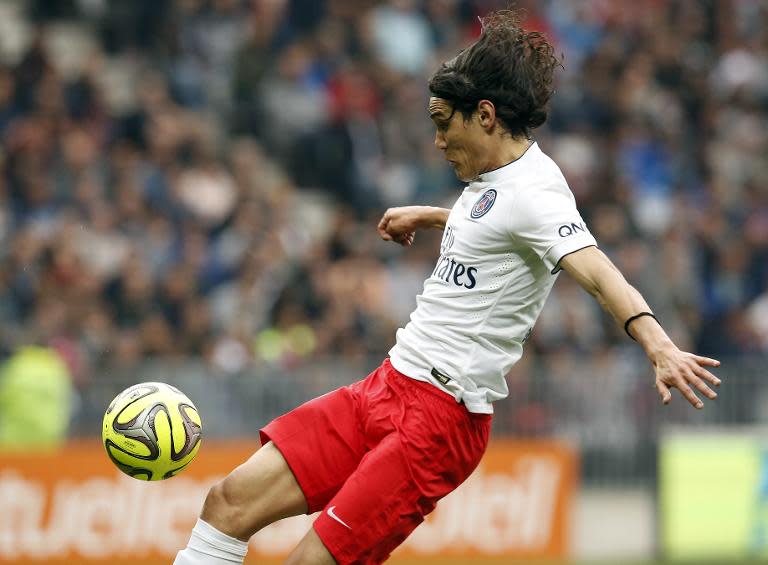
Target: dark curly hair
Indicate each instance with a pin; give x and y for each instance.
(511, 67)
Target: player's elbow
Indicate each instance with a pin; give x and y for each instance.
(603, 280)
(590, 285)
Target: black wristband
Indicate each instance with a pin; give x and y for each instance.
(635, 317)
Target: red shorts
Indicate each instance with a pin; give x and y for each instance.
(376, 456)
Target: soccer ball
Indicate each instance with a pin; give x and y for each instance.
(151, 431)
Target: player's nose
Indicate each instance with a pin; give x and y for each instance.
(440, 142)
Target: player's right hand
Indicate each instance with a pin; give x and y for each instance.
(685, 372)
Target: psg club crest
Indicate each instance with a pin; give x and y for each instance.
(484, 203)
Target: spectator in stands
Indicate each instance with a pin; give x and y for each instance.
(172, 188)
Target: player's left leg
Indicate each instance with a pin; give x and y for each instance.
(386, 499)
(428, 446)
(310, 551)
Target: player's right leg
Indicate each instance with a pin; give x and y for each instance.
(260, 491)
(323, 442)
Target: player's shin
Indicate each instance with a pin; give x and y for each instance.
(209, 546)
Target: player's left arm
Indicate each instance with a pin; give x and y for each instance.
(400, 224)
(674, 368)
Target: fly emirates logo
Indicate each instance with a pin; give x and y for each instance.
(448, 269)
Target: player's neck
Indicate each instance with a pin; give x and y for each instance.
(506, 151)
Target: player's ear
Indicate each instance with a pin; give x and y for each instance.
(486, 113)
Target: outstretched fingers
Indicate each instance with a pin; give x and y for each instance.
(666, 395)
(702, 373)
(708, 361)
(702, 387)
(689, 395)
(682, 385)
(686, 384)
(688, 374)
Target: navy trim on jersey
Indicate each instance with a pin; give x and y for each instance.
(557, 265)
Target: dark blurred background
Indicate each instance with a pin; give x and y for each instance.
(196, 184)
(189, 193)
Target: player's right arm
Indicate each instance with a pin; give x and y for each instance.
(400, 224)
(674, 368)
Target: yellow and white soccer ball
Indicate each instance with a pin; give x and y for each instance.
(151, 431)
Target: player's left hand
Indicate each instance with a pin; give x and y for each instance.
(685, 371)
(400, 224)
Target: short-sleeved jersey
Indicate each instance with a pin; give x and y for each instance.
(498, 261)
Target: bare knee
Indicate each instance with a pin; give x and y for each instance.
(223, 510)
(260, 491)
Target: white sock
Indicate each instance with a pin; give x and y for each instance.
(208, 546)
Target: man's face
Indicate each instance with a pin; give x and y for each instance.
(458, 138)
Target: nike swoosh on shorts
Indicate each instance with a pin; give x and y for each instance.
(332, 514)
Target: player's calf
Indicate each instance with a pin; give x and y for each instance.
(310, 551)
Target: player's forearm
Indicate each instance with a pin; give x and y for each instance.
(600, 277)
(434, 217)
(623, 301)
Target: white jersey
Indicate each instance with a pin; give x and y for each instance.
(498, 261)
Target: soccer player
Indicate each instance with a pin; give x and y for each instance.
(376, 456)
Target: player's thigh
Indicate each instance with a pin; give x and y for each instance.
(322, 441)
(260, 491)
(310, 551)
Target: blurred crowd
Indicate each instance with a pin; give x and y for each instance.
(204, 177)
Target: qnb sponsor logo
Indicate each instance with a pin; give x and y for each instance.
(569, 229)
(453, 272)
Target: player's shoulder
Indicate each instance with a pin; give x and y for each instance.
(542, 193)
(533, 182)
(544, 171)
(541, 180)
